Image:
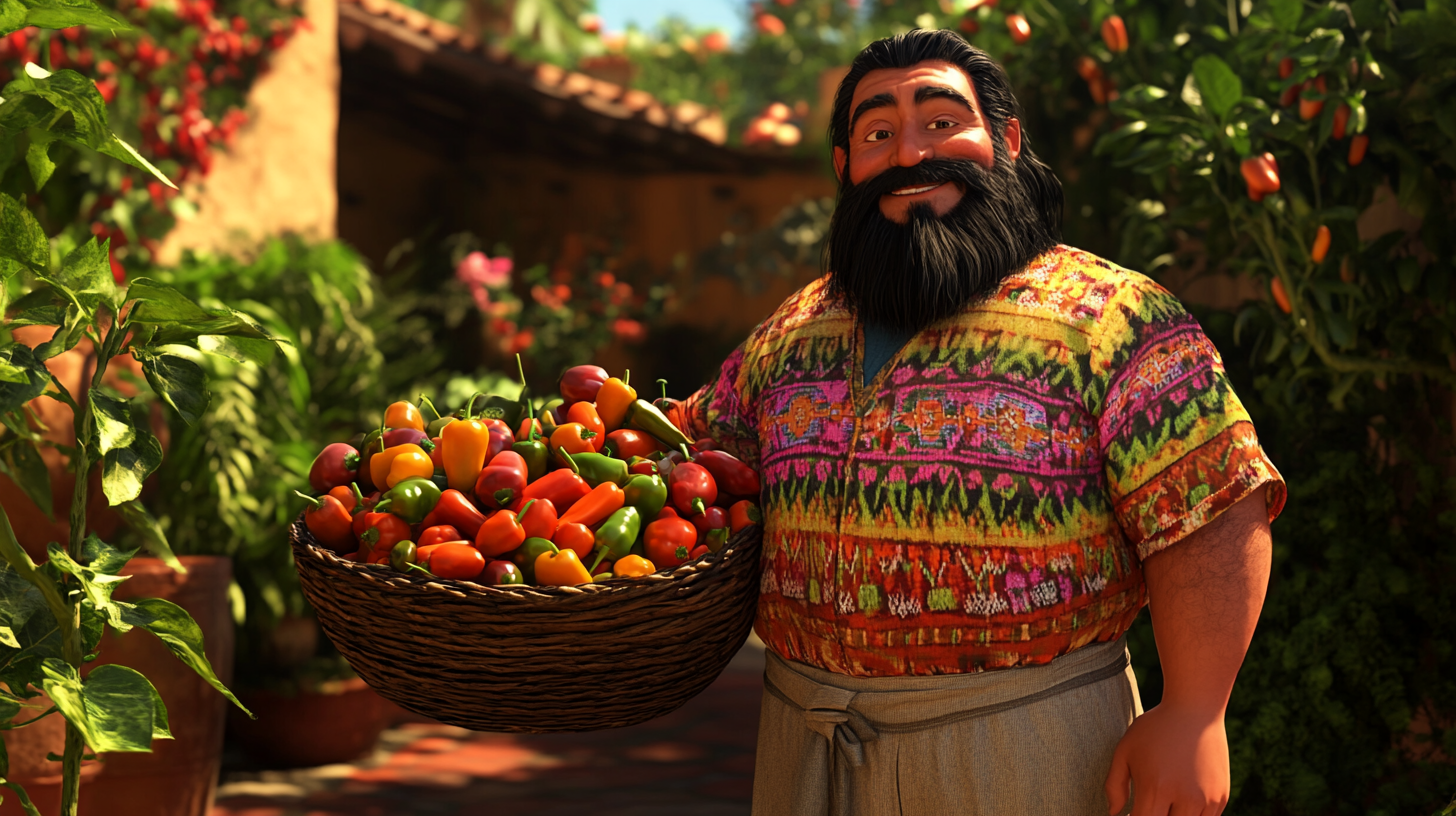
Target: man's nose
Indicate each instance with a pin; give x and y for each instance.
(913, 148)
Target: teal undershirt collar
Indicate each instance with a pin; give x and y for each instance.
(881, 344)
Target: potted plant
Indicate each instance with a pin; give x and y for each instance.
(53, 616)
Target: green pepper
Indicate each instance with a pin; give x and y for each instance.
(644, 416)
(646, 493)
(595, 468)
(617, 535)
(411, 499)
(402, 555)
(506, 410)
(546, 418)
(524, 556)
(536, 454)
(438, 425)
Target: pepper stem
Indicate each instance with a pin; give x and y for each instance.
(627, 377)
(471, 404)
(524, 508)
(600, 556)
(571, 463)
(317, 503)
(687, 457)
(663, 383)
(421, 569)
(358, 498)
(520, 369)
(384, 505)
(424, 400)
(351, 461)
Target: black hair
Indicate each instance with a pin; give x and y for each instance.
(993, 91)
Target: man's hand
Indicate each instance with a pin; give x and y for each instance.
(1205, 593)
(1179, 759)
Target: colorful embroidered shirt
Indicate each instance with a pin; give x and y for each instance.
(987, 499)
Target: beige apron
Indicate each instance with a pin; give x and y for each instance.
(1033, 741)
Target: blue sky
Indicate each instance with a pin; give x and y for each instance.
(724, 14)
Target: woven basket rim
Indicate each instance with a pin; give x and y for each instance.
(704, 565)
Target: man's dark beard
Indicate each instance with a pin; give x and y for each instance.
(906, 276)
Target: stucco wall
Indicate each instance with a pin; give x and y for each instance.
(279, 175)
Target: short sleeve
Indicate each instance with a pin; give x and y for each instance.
(718, 412)
(1178, 445)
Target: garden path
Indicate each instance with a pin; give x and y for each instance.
(697, 761)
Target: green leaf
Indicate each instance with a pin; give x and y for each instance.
(1408, 274)
(88, 268)
(1341, 332)
(114, 429)
(13, 393)
(68, 13)
(180, 382)
(124, 709)
(70, 332)
(118, 149)
(24, 465)
(97, 586)
(125, 469)
(25, 803)
(21, 238)
(153, 536)
(7, 637)
(175, 628)
(1126, 131)
(1219, 86)
(12, 18)
(104, 558)
(1286, 13)
(63, 685)
(37, 157)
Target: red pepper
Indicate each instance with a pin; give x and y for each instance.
(408, 436)
(1358, 146)
(743, 514)
(699, 551)
(1310, 108)
(581, 383)
(347, 496)
(731, 474)
(455, 509)
(1114, 33)
(562, 487)
(500, 534)
(625, 443)
(1342, 118)
(692, 488)
(502, 480)
(501, 438)
(336, 465)
(585, 414)
(639, 465)
(539, 519)
(360, 511)
(576, 537)
(456, 560)
(669, 540)
(381, 532)
(1261, 174)
(330, 522)
(667, 512)
(714, 518)
(530, 427)
(438, 534)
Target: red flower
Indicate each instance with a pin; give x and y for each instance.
(630, 331)
(521, 342)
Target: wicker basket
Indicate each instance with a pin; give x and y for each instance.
(536, 659)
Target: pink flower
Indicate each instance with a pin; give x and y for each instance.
(1003, 482)
(478, 269)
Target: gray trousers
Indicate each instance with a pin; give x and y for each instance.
(1033, 741)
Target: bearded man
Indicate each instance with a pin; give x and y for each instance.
(982, 453)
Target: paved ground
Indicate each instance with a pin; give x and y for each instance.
(697, 761)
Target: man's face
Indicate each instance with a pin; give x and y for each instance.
(902, 116)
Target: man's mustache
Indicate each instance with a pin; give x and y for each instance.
(971, 177)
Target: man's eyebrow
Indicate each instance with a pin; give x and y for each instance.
(942, 92)
(883, 100)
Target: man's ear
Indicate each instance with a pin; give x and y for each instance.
(1013, 138)
(841, 158)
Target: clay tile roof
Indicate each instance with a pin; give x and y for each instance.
(412, 34)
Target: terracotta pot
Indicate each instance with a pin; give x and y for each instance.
(339, 722)
(179, 777)
(29, 767)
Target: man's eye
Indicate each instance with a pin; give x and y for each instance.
(877, 135)
(941, 124)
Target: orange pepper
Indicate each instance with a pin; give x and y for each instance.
(633, 566)
(585, 414)
(407, 464)
(465, 443)
(403, 415)
(604, 500)
(578, 538)
(380, 463)
(560, 568)
(572, 437)
(1321, 246)
(613, 400)
(500, 534)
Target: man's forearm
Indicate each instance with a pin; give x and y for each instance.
(1205, 593)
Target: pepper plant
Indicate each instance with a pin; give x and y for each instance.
(52, 616)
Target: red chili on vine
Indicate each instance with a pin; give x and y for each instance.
(1261, 175)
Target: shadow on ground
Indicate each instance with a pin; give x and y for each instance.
(697, 761)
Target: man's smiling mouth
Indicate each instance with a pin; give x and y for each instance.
(924, 188)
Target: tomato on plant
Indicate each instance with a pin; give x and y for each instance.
(1321, 246)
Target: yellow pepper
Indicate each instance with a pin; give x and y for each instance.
(380, 463)
(558, 567)
(407, 464)
(465, 443)
(613, 400)
(633, 566)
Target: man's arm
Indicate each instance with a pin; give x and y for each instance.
(1205, 593)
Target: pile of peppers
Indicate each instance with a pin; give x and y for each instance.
(597, 485)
